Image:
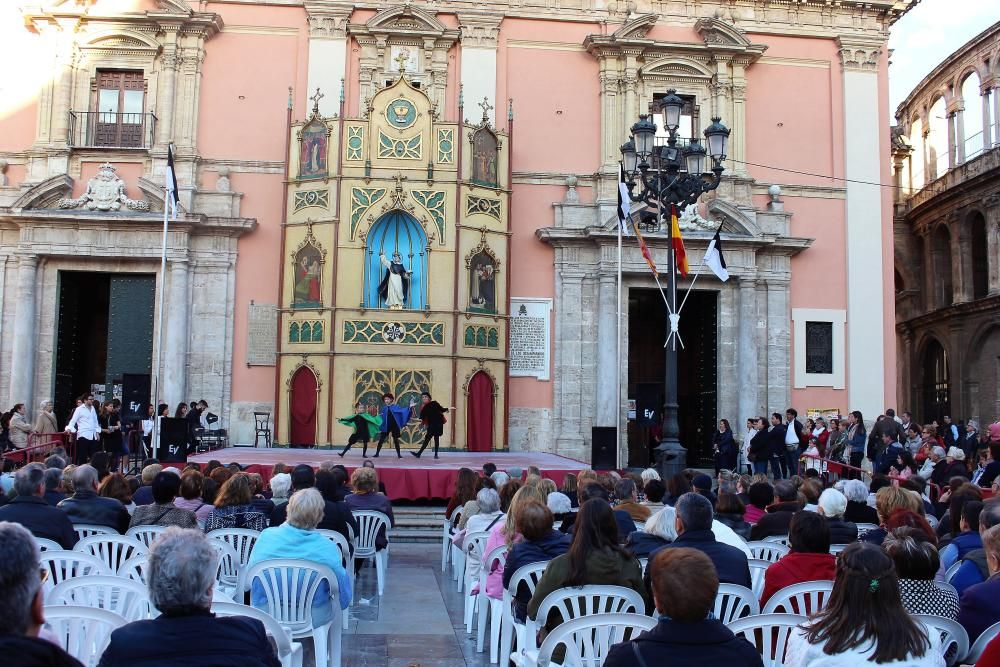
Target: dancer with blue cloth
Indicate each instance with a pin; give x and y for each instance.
(394, 418)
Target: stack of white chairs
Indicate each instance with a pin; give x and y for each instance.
(486, 604)
(472, 548)
(129, 599)
(370, 523)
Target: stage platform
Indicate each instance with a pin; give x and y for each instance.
(407, 478)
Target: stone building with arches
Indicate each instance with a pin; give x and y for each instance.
(946, 157)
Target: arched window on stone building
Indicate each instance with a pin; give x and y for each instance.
(941, 280)
(972, 117)
(980, 256)
(936, 389)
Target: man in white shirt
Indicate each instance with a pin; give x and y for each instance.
(793, 442)
(87, 428)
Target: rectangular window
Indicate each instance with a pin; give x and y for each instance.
(120, 99)
(819, 347)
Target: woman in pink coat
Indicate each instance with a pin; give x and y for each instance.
(505, 533)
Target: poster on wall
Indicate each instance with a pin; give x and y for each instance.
(530, 337)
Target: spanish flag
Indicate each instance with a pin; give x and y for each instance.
(644, 249)
(678, 242)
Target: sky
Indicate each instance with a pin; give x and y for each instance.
(928, 34)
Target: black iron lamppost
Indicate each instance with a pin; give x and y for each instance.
(669, 178)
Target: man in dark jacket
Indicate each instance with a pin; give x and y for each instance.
(540, 544)
(760, 447)
(336, 515)
(85, 506)
(22, 604)
(181, 572)
(53, 482)
(776, 440)
(693, 521)
(979, 609)
(779, 515)
(31, 511)
(684, 586)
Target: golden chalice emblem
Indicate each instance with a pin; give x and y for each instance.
(402, 110)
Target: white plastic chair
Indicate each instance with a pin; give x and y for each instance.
(489, 605)
(134, 568)
(227, 576)
(758, 568)
(240, 539)
(446, 534)
(932, 521)
(769, 633)
(643, 563)
(289, 652)
(954, 638)
(47, 545)
(472, 551)
(579, 601)
(952, 571)
(290, 585)
(976, 652)
(733, 602)
(528, 575)
(588, 640)
(780, 539)
(112, 550)
(83, 632)
(345, 557)
(88, 530)
(370, 523)
(145, 534)
(63, 565)
(865, 527)
(129, 599)
(804, 598)
(769, 551)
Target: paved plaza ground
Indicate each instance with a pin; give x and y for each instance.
(417, 621)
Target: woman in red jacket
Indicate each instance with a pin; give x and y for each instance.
(809, 559)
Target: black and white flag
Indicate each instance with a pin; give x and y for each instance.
(714, 258)
(624, 201)
(170, 183)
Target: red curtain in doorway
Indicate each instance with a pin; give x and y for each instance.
(303, 408)
(479, 424)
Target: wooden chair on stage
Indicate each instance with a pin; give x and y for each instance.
(262, 425)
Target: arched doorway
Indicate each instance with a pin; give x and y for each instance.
(479, 416)
(936, 387)
(302, 404)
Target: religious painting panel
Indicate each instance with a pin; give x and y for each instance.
(308, 276)
(485, 148)
(313, 150)
(482, 283)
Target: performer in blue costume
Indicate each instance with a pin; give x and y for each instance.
(394, 418)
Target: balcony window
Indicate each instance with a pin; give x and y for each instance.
(117, 119)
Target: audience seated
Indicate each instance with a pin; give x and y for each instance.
(296, 537)
(684, 586)
(569, 489)
(702, 484)
(693, 523)
(888, 499)
(858, 510)
(759, 496)
(832, 504)
(589, 490)
(336, 515)
(30, 510)
(487, 516)
(22, 604)
(779, 514)
(471, 508)
(192, 489)
(809, 558)
(980, 604)
(53, 485)
(659, 531)
(332, 483)
(974, 569)
(233, 508)
(181, 575)
(864, 621)
(677, 486)
(594, 557)
(364, 481)
(955, 498)
(917, 564)
(967, 539)
(260, 501)
(163, 511)
(114, 485)
(144, 496)
(86, 507)
(539, 543)
(559, 505)
(504, 532)
(729, 511)
(465, 490)
(628, 501)
(654, 490)
(281, 486)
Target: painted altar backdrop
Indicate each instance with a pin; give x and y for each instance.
(394, 273)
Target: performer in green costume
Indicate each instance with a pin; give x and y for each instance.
(366, 426)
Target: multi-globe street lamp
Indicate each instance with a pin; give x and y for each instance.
(669, 177)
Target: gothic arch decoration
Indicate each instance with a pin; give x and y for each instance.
(480, 368)
(485, 156)
(397, 201)
(308, 260)
(314, 139)
(483, 266)
(396, 235)
(303, 385)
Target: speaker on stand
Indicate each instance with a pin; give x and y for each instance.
(603, 448)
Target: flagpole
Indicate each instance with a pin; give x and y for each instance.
(155, 441)
(618, 353)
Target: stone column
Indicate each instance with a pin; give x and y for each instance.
(165, 106)
(610, 116)
(952, 141)
(25, 338)
(569, 365)
(62, 101)
(607, 359)
(630, 82)
(747, 362)
(988, 138)
(175, 342)
(779, 357)
(996, 113)
(738, 142)
(993, 238)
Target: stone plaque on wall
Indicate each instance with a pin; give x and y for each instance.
(262, 330)
(530, 327)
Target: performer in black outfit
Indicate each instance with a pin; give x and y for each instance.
(432, 414)
(365, 427)
(394, 418)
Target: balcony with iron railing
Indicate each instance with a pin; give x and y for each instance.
(111, 130)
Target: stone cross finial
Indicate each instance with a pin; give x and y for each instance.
(487, 108)
(401, 59)
(316, 98)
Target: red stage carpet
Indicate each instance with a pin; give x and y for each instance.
(406, 478)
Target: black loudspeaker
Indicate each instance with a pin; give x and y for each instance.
(648, 403)
(135, 397)
(173, 440)
(603, 448)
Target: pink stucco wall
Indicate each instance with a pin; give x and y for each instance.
(888, 257)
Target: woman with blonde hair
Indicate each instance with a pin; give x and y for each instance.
(887, 501)
(234, 508)
(505, 532)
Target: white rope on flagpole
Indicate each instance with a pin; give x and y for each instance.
(159, 325)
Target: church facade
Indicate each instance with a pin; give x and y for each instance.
(421, 197)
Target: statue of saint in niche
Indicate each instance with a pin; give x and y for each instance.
(308, 272)
(482, 284)
(395, 286)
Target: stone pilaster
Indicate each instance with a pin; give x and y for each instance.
(327, 55)
(779, 348)
(22, 358)
(747, 357)
(479, 60)
(993, 239)
(175, 342)
(607, 332)
(569, 364)
(166, 101)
